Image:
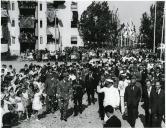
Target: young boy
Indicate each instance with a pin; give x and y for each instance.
(112, 121)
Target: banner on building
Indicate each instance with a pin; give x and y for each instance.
(27, 22)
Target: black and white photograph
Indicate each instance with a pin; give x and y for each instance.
(82, 64)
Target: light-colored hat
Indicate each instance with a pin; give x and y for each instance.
(109, 80)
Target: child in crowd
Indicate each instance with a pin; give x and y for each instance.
(37, 104)
(20, 107)
(25, 99)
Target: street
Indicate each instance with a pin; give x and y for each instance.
(89, 118)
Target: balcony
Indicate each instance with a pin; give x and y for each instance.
(27, 4)
(27, 37)
(5, 5)
(27, 22)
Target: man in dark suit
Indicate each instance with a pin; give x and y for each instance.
(157, 105)
(147, 94)
(78, 92)
(51, 88)
(132, 97)
(64, 93)
(90, 87)
(112, 121)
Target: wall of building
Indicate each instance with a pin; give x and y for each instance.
(65, 15)
(14, 31)
(42, 15)
(66, 32)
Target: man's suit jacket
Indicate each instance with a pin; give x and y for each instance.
(147, 99)
(132, 97)
(89, 82)
(158, 102)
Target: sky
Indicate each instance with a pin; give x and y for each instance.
(127, 10)
(131, 10)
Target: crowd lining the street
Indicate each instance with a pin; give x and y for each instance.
(121, 81)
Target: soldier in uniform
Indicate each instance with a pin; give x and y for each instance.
(64, 93)
(78, 92)
(50, 89)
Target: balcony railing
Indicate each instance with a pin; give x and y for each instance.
(26, 37)
(27, 4)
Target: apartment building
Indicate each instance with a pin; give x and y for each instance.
(51, 25)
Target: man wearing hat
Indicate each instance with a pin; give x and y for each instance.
(78, 92)
(111, 94)
(64, 92)
(132, 97)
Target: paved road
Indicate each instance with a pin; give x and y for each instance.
(88, 119)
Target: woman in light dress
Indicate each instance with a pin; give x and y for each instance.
(37, 104)
(123, 83)
(20, 107)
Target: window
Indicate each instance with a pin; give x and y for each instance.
(74, 40)
(40, 7)
(41, 24)
(13, 40)
(74, 6)
(13, 6)
(13, 23)
(74, 21)
(41, 40)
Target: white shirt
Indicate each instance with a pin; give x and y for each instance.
(72, 77)
(111, 96)
(149, 90)
(121, 88)
(126, 83)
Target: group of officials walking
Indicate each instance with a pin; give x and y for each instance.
(119, 85)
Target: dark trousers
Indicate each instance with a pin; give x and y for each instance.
(63, 106)
(101, 107)
(77, 103)
(156, 120)
(51, 103)
(29, 108)
(132, 115)
(148, 119)
(91, 98)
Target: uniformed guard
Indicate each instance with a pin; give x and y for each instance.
(64, 93)
(78, 92)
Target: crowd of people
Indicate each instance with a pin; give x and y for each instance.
(121, 82)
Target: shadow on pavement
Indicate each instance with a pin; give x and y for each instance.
(142, 118)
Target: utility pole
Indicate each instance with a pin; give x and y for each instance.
(154, 43)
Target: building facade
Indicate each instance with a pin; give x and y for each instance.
(51, 25)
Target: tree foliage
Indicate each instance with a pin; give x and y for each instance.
(147, 25)
(98, 25)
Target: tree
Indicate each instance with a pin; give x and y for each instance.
(147, 25)
(98, 25)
